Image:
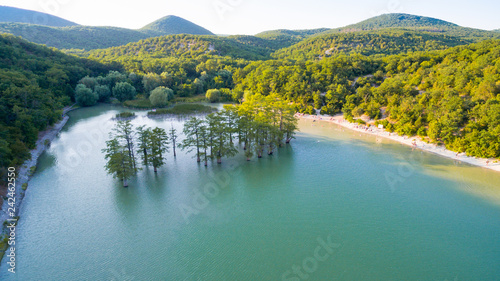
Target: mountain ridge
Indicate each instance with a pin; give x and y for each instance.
(77, 36)
(17, 15)
(175, 25)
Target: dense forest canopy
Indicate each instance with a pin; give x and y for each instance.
(35, 83)
(418, 23)
(380, 42)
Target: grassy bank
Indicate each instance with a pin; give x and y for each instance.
(183, 109)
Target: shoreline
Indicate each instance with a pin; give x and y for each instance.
(24, 173)
(414, 142)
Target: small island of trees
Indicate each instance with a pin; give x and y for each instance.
(260, 124)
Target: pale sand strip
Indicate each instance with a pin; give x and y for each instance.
(410, 141)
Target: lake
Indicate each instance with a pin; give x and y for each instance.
(333, 205)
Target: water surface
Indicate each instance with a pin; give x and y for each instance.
(392, 213)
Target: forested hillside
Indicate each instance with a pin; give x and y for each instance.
(74, 37)
(418, 23)
(450, 96)
(380, 42)
(187, 46)
(443, 88)
(284, 38)
(174, 25)
(35, 83)
(98, 37)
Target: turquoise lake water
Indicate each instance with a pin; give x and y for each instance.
(334, 205)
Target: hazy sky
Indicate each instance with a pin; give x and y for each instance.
(254, 16)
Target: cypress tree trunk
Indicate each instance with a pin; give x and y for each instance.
(145, 156)
(125, 183)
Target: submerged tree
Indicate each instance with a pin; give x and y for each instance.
(119, 162)
(159, 145)
(220, 141)
(124, 132)
(144, 143)
(192, 136)
(173, 136)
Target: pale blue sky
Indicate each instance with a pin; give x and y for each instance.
(253, 16)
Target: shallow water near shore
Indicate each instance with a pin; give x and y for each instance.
(390, 213)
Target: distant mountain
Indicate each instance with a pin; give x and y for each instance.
(75, 37)
(16, 15)
(420, 23)
(399, 20)
(174, 25)
(99, 37)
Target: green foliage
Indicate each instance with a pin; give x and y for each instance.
(125, 115)
(283, 38)
(102, 92)
(386, 42)
(35, 84)
(124, 91)
(119, 163)
(213, 95)
(184, 109)
(187, 46)
(449, 97)
(418, 23)
(160, 96)
(85, 96)
(120, 152)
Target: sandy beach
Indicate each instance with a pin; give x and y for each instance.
(415, 142)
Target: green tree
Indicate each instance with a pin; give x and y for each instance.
(102, 92)
(160, 96)
(119, 162)
(173, 136)
(159, 146)
(220, 141)
(151, 81)
(143, 143)
(124, 91)
(84, 96)
(192, 136)
(125, 133)
(213, 95)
